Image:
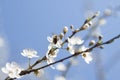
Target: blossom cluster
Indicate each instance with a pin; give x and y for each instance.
(13, 69)
(75, 45)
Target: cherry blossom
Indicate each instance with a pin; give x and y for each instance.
(12, 69)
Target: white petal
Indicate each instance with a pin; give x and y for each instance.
(50, 39)
(49, 61)
(12, 75)
(82, 48)
(4, 70)
(60, 67)
(8, 66)
(50, 46)
(88, 58)
(23, 54)
(75, 41)
(30, 53)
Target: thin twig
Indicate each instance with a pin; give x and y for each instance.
(65, 41)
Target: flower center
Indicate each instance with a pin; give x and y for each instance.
(84, 55)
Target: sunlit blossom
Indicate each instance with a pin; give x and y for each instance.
(55, 41)
(74, 44)
(51, 54)
(30, 53)
(75, 41)
(87, 56)
(49, 61)
(71, 49)
(12, 69)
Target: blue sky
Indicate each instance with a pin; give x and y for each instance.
(27, 23)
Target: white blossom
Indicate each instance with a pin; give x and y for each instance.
(87, 56)
(12, 69)
(71, 49)
(60, 67)
(75, 41)
(55, 41)
(74, 44)
(30, 53)
(49, 61)
(51, 54)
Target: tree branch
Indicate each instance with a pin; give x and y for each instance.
(24, 72)
(76, 54)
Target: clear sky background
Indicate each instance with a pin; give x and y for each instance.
(27, 23)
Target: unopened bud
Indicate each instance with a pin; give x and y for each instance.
(39, 73)
(107, 12)
(100, 37)
(65, 29)
(87, 25)
(90, 23)
(97, 13)
(71, 27)
(92, 42)
(61, 35)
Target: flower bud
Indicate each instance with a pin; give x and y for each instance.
(71, 27)
(39, 73)
(100, 37)
(107, 12)
(102, 21)
(92, 42)
(87, 25)
(90, 23)
(65, 29)
(61, 35)
(97, 13)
